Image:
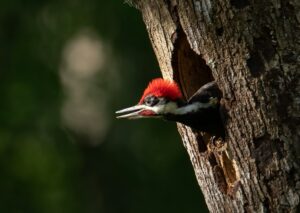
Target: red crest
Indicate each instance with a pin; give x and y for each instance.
(162, 88)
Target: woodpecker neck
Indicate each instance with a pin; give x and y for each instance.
(197, 115)
(191, 108)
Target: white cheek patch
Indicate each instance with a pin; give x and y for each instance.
(165, 108)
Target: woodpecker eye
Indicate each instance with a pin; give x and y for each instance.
(151, 100)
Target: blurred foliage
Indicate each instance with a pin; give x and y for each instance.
(138, 166)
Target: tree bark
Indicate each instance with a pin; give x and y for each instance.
(251, 49)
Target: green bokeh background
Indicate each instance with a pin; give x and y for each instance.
(46, 165)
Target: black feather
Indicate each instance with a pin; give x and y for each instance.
(207, 91)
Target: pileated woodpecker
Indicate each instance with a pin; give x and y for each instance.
(163, 99)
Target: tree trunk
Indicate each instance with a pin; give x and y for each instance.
(251, 49)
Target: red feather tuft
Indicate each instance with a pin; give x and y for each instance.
(162, 88)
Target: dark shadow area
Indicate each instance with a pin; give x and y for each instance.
(239, 4)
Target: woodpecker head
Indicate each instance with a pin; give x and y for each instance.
(161, 97)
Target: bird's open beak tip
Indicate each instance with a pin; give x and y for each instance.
(130, 112)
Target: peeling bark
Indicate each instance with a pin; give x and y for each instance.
(251, 49)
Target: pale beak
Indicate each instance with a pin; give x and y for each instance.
(132, 112)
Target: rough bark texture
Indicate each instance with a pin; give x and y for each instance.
(251, 48)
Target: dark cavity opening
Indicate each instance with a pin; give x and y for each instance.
(190, 69)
